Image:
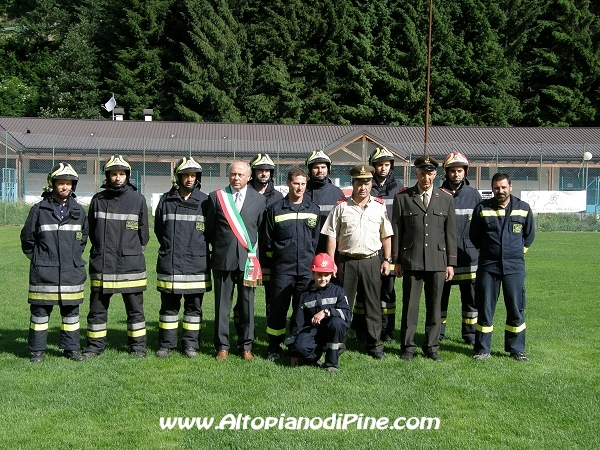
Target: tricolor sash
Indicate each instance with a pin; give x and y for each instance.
(252, 269)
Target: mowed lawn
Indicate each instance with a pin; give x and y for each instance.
(116, 400)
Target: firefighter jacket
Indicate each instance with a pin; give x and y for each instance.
(386, 191)
(424, 239)
(502, 235)
(465, 200)
(291, 234)
(312, 300)
(272, 196)
(183, 259)
(326, 195)
(55, 247)
(118, 233)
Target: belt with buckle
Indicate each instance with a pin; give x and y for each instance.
(358, 256)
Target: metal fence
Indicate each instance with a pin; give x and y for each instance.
(24, 173)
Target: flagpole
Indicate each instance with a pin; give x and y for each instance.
(113, 110)
(428, 79)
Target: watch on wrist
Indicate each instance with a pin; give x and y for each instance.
(327, 312)
(390, 260)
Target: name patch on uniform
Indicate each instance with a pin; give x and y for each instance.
(517, 227)
(200, 226)
(78, 235)
(311, 222)
(131, 224)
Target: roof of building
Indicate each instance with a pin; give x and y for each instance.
(295, 141)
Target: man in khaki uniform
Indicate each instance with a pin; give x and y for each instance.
(424, 248)
(358, 228)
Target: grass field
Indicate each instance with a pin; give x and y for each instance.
(116, 400)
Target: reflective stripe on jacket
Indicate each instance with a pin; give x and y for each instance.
(57, 270)
(118, 233)
(183, 265)
(502, 235)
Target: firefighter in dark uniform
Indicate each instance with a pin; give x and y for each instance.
(320, 318)
(456, 169)
(118, 218)
(263, 170)
(424, 243)
(502, 229)
(183, 267)
(385, 187)
(53, 238)
(291, 234)
(320, 190)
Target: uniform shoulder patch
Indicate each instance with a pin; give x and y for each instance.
(401, 190)
(379, 200)
(341, 200)
(446, 191)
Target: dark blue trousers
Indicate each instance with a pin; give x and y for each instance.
(284, 288)
(487, 290)
(310, 340)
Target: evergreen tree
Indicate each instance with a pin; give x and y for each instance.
(214, 67)
(132, 49)
(402, 55)
(470, 78)
(560, 69)
(71, 87)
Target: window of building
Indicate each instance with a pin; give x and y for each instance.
(159, 169)
(515, 173)
(40, 165)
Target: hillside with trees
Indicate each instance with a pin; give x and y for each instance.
(494, 62)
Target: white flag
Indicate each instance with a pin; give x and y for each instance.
(110, 105)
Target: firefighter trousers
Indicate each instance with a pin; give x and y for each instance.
(98, 316)
(487, 290)
(284, 288)
(168, 322)
(38, 327)
(469, 310)
(309, 342)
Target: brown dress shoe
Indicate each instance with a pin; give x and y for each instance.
(246, 355)
(221, 355)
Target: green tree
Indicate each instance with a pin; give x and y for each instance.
(470, 80)
(71, 87)
(214, 68)
(560, 69)
(132, 48)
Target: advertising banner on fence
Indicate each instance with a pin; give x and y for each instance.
(555, 201)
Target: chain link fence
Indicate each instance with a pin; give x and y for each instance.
(24, 173)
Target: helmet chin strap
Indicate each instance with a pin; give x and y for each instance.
(60, 196)
(380, 179)
(259, 180)
(187, 188)
(115, 187)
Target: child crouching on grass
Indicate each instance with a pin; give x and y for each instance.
(320, 319)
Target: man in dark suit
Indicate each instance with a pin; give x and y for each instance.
(424, 247)
(233, 219)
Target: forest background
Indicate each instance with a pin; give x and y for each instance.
(494, 62)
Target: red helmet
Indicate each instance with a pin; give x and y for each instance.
(456, 159)
(322, 263)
